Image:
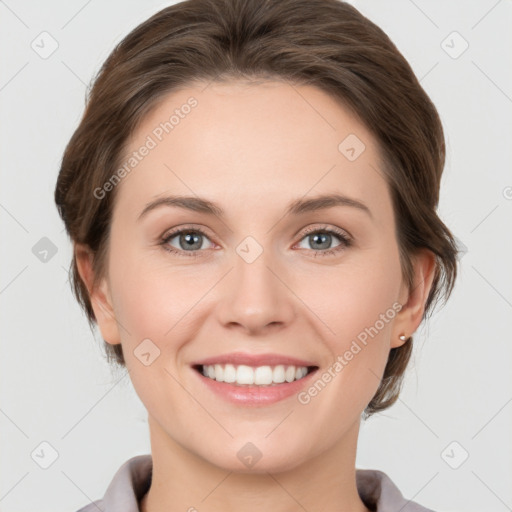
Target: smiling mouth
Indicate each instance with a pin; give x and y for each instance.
(243, 375)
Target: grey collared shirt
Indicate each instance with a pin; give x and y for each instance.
(133, 479)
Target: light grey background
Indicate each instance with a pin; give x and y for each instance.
(56, 388)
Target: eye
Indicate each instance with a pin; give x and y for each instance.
(321, 239)
(189, 241)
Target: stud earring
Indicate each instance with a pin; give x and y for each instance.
(403, 337)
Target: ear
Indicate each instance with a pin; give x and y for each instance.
(413, 303)
(99, 295)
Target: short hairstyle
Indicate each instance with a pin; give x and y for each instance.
(328, 44)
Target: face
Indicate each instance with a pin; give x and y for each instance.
(252, 284)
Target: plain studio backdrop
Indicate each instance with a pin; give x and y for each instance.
(68, 423)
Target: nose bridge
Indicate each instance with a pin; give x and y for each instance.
(255, 296)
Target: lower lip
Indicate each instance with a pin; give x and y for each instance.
(256, 395)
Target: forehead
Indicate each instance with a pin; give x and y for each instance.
(259, 143)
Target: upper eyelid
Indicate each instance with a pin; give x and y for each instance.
(176, 231)
(335, 230)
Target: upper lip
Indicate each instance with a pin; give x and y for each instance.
(238, 358)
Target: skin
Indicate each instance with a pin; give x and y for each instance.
(252, 149)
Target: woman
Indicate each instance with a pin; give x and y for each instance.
(251, 195)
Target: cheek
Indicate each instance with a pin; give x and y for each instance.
(360, 308)
(152, 303)
(155, 306)
(150, 298)
(356, 295)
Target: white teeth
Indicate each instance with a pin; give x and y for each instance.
(290, 374)
(244, 375)
(278, 374)
(263, 375)
(300, 372)
(229, 373)
(219, 373)
(260, 375)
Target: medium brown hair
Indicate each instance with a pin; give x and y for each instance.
(325, 43)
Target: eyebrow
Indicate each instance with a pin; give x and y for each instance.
(297, 207)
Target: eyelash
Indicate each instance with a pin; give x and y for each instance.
(346, 242)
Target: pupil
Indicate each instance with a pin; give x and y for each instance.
(191, 239)
(320, 236)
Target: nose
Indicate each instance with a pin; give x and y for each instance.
(255, 297)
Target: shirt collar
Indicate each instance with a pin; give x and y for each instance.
(133, 479)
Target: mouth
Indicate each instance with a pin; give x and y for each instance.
(254, 380)
(246, 375)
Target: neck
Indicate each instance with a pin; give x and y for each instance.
(182, 481)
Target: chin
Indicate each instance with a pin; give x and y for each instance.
(252, 457)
